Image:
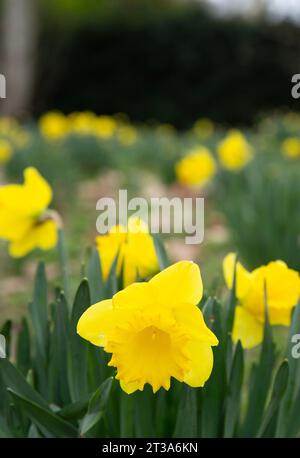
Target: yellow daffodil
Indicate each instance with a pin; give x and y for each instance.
(154, 330)
(54, 125)
(196, 168)
(82, 123)
(24, 221)
(291, 147)
(105, 126)
(134, 247)
(5, 150)
(127, 135)
(283, 291)
(234, 151)
(203, 128)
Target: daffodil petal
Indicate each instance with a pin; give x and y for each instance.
(135, 295)
(96, 322)
(201, 363)
(130, 387)
(243, 277)
(179, 284)
(31, 198)
(191, 318)
(43, 236)
(247, 328)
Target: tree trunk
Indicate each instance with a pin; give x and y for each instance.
(19, 43)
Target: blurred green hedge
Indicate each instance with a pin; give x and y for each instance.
(172, 68)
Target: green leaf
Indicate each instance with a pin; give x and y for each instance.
(161, 253)
(77, 352)
(96, 406)
(39, 311)
(64, 263)
(23, 348)
(50, 424)
(288, 418)
(58, 359)
(261, 378)
(94, 274)
(144, 404)
(280, 384)
(14, 380)
(186, 422)
(233, 401)
(213, 392)
(39, 317)
(74, 411)
(126, 415)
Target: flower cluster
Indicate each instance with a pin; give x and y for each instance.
(56, 126)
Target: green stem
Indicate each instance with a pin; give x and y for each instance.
(63, 259)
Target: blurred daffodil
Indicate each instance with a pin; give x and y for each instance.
(154, 330)
(134, 247)
(196, 168)
(234, 151)
(24, 220)
(82, 123)
(6, 150)
(203, 128)
(126, 135)
(291, 147)
(282, 286)
(105, 126)
(54, 125)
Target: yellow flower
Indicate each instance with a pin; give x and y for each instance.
(105, 126)
(54, 125)
(283, 292)
(291, 147)
(82, 123)
(134, 247)
(127, 135)
(234, 151)
(196, 168)
(5, 151)
(203, 128)
(24, 221)
(154, 330)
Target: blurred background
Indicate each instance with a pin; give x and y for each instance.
(164, 60)
(110, 94)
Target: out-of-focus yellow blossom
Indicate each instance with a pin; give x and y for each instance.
(283, 292)
(154, 330)
(203, 128)
(127, 135)
(291, 147)
(234, 151)
(105, 126)
(24, 219)
(134, 247)
(196, 168)
(83, 123)
(5, 150)
(54, 125)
